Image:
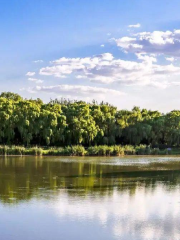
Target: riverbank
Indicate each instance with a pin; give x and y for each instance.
(78, 150)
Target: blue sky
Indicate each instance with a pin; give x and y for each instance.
(88, 50)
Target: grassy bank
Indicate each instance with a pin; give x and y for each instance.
(78, 150)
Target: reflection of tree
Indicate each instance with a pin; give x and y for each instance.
(24, 178)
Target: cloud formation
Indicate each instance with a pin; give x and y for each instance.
(30, 74)
(104, 68)
(77, 90)
(157, 42)
(38, 61)
(35, 80)
(138, 25)
(170, 59)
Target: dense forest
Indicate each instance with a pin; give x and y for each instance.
(63, 122)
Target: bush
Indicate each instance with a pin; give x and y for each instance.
(34, 151)
(102, 150)
(78, 150)
(129, 150)
(54, 152)
(164, 152)
(15, 150)
(68, 151)
(142, 150)
(109, 150)
(92, 151)
(12, 150)
(155, 151)
(118, 150)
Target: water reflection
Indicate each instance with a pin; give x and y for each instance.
(128, 198)
(146, 214)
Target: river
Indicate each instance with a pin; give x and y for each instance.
(71, 198)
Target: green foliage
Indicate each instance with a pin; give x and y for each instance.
(12, 150)
(164, 152)
(129, 150)
(118, 150)
(35, 151)
(93, 151)
(104, 150)
(54, 151)
(143, 150)
(74, 123)
(79, 150)
(155, 151)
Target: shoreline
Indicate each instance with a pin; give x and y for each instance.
(95, 156)
(92, 151)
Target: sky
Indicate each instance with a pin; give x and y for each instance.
(126, 53)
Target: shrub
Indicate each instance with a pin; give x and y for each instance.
(155, 151)
(92, 151)
(142, 150)
(129, 150)
(68, 151)
(15, 150)
(109, 150)
(102, 150)
(164, 152)
(118, 150)
(78, 150)
(54, 151)
(35, 151)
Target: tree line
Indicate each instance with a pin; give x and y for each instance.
(63, 122)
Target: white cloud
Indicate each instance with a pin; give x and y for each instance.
(30, 74)
(104, 68)
(77, 90)
(138, 25)
(157, 42)
(38, 61)
(146, 58)
(102, 45)
(35, 80)
(170, 59)
(22, 89)
(30, 90)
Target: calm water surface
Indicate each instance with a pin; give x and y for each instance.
(53, 198)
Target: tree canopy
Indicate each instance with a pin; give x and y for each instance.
(63, 122)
